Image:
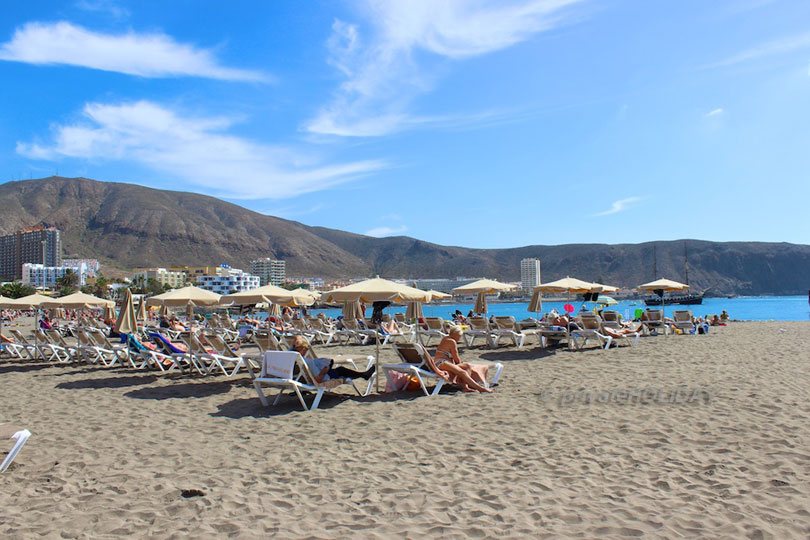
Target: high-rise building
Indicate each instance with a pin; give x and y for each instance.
(269, 270)
(529, 273)
(37, 245)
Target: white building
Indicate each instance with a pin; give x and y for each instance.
(228, 280)
(269, 270)
(92, 265)
(529, 273)
(45, 277)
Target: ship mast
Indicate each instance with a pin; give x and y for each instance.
(686, 262)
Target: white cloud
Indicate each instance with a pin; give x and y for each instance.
(715, 112)
(197, 150)
(110, 7)
(380, 232)
(771, 48)
(620, 206)
(143, 55)
(381, 67)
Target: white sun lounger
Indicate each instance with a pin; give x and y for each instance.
(414, 362)
(20, 437)
(278, 371)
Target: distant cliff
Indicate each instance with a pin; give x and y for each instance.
(126, 226)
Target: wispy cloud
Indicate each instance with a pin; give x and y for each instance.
(620, 206)
(196, 149)
(715, 112)
(380, 232)
(110, 7)
(775, 47)
(143, 55)
(384, 70)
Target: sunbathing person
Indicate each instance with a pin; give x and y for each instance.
(618, 332)
(323, 369)
(389, 328)
(448, 365)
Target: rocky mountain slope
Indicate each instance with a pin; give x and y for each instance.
(128, 226)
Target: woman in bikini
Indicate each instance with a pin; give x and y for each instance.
(448, 365)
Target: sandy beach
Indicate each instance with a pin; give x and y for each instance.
(681, 436)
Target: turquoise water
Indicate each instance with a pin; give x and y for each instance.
(753, 308)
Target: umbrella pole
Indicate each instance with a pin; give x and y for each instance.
(377, 362)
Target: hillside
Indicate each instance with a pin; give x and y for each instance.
(127, 226)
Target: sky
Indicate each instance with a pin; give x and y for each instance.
(475, 123)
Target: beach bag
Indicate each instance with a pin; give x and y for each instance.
(401, 382)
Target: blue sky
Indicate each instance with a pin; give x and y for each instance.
(474, 123)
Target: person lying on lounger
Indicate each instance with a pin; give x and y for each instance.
(618, 332)
(448, 365)
(324, 369)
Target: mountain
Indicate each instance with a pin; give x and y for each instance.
(127, 226)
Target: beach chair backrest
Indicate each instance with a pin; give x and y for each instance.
(505, 323)
(434, 323)
(589, 321)
(399, 317)
(164, 343)
(300, 324)
(611, 316)
(220, 345)
(19, 337)
(410, 353)
(279, 364)
(655, 315)
(478, 323)
(683, 316)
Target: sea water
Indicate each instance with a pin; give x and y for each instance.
(751, 308)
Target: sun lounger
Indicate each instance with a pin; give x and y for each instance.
(148, 357)
(211, 359)
(415, 358)
(612, 319)
(279, 371)
(654, 321)
(591, 326)
(479, 328)
(51, 351)
(434, 327)
(31, 349)
(19, 436)
(683, 322)
(324, 333)
(506, 327)
(181, 357)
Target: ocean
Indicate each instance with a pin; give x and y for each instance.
(751, 308)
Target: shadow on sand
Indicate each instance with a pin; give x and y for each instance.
(202, 389)
(22, 367)
(509, 355)
(251, 407)
(109, 382)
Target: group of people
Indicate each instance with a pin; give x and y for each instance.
(446, 363)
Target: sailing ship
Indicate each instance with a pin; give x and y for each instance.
(688, 299)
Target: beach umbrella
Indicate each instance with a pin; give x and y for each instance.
(78, 300)
(377, 290)
(164, 311)
(109, 313)
(481, 303)
(569, 286)
(598, 287)
(438, 295)
(607, 301)
(660, 286)
(271, 294)
(127, 322)
(536, 303)
(482, 287)
(414, 311)
(353, 310)
(141, 316)
(184, 296)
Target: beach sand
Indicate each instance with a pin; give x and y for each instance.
(571, 444)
